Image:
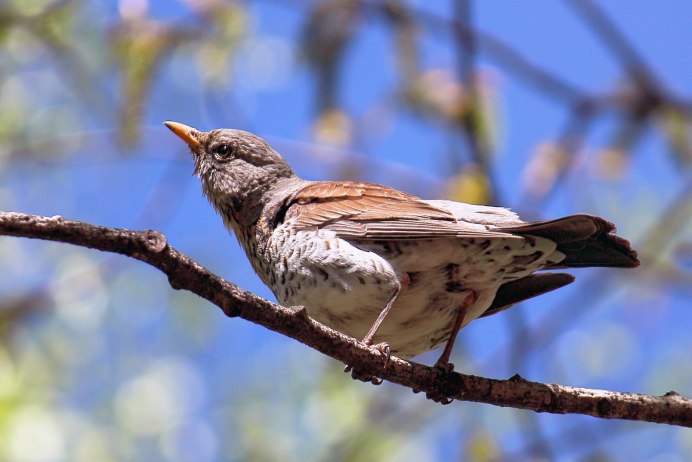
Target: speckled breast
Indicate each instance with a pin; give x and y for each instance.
(345, 285)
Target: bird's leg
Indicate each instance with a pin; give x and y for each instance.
(403, 285)
(443, 363)
(382, 347)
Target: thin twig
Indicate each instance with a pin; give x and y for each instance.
(614, 39)
(504, 55)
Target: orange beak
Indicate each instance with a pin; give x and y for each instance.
(186, 133)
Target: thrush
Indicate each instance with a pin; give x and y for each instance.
(380, 264)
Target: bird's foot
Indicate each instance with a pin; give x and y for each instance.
(439, 398)
(385, 350)
(357, 374)
(446, 368)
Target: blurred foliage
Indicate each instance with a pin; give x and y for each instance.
(471, 185)
(139, 45)
(333, 127)
(101, 360)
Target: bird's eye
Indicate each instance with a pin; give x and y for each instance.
(223, 151)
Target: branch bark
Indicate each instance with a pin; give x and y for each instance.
(184, 273)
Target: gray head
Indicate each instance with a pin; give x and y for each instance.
(237, 168)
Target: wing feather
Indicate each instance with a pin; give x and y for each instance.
(368, 211)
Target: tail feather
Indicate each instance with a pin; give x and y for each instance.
(586, 240)
(513, 292)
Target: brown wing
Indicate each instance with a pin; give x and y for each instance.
(371, 211)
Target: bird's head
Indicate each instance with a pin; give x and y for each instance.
(237, 168)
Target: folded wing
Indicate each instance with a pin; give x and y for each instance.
(366, 211)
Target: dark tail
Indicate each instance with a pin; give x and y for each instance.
(586, 240)
(527, 287)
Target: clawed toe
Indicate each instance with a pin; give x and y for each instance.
(445, 367)
(384, 349)
(439, 398)
(356, 374)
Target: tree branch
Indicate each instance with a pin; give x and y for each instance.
(183, 273)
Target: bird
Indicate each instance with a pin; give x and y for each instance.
(401, 273)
